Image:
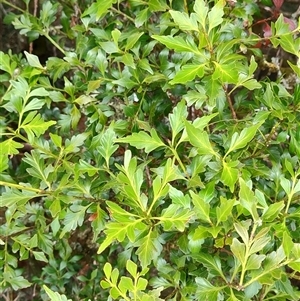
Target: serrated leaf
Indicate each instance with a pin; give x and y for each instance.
(72, 146)
(252, 84)
(224, 211)
(215, 16)
(254, 262)
(227, 73)
(241, 140)
(188, 73)
(107, 146)
(248, 199)
(98, 9)
(10, 147)
(15, 197)
(243, 232)
(230, 174)
(35, 126)
(177, 43)
(184, 21)
(212, 263)
(201, 9)
(199, 139)
(202, 208)
(207, 291)
(74, 218)
(175, 218)
(149, 248)
(142, 140)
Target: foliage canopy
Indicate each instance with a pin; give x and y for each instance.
(147, 157)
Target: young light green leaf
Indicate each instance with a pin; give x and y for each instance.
(273, 211)
(177, 43)
(238, 249)
(230, 174)
(98, 8)
(55, 296)
(175, 218)
(177, 119)
(142, 140)
(184, 21)
(200, 140)
(107, 146)
(215, 16)
(201, 9)
(33, 60)
(243, 232)
(131, 267)
(188, 73)
(241, 140)
(248, 199)
(207, 291)
(224, 211)
(35, 126)
(10, 147)
(202, 208)
(150, 248)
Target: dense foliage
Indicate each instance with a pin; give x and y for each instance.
(149, 152)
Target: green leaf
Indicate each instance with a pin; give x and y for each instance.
(243, 232)
(207, 291)
(175, 218)
(230, 174)
(177, 43)
(131, 267)
(215, 16)
(248, 199)
(141, 17)
(202, 208)
(150, 248)
(16, 282)
(177, 119)
(212, 263)
(72, 146)
(184, 21)
(238, 249)
(107, 269)
(201, 9)
(33, 60)
(273, 211)
(132, 39)
(254, 262)
(107, 146)
(226, 73)
(74, 218)
(14, 197)
(10, 147)
(55, 296)
(99, 8)
(35, 126)
(224, 211)
(142, 140)
(241, 140)
(199, 139)
(40, 256)
(188, 73)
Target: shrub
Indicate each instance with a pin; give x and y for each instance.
(151, 156)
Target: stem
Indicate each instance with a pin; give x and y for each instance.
(230, 103)
(53, 42)
(121, 13)
(13, 6)
(22, 187)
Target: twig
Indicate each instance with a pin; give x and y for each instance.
(233, 113)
